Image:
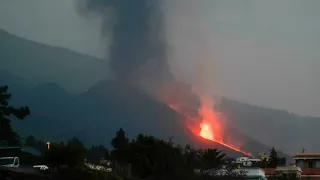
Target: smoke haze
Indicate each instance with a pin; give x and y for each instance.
(261, 52)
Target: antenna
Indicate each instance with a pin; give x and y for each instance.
(303, 150)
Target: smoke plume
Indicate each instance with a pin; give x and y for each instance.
(137, 52)
(161, 46)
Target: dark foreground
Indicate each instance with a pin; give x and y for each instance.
(30, 174)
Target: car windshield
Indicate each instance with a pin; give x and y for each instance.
(6, 161)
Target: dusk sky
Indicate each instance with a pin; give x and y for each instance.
(262, 52)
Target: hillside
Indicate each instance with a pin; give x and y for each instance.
(95, 115)
(29, 59)
(279, 128)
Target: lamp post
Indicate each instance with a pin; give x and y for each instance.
(48, 145)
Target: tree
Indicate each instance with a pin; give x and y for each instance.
(157, 159)
(71, 154)
(120, 144)
(274, 158)
(75, 152)
(96, 153)
(31, 141)
(55, 156)
(7, 111)
(211, 160)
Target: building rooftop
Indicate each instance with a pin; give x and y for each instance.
(304, 155)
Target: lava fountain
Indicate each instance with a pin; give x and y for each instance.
(210, 127)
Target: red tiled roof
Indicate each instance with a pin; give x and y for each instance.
(310, 171)
(269, 171)
(306, 155)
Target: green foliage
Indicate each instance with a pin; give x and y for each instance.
(96, 153)
(157, 159)
(120, 143)
(211, 158)
(31, 141)
(71, 155)
(151, 157)
(274, 158)
(7, 111)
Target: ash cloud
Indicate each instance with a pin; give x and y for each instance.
(160, 46)
(137, 51)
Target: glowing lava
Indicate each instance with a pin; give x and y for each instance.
(206, 132)
(210, 124)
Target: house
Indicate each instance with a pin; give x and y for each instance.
(288, 169)
(269, 171)
(309, 164)
(248, 162)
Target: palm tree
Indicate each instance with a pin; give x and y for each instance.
(210, 161)
(211, 158)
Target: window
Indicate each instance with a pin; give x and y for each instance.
(300, 164)
(318, 164)
(310, 164)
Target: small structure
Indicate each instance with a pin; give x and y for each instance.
(293, 170)
(309, 164)
(264, 156)
(248, 162)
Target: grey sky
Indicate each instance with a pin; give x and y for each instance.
(257, 51)
(53, 22)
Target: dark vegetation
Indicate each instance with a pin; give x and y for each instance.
(144, 157)
(7, 111)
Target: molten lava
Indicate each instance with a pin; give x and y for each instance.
(210, 126)
(206, 132)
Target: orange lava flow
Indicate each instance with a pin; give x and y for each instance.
(206, 133)
(210, 126)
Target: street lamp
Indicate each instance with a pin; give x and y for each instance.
(48, 145)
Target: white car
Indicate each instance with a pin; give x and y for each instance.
(12, 162)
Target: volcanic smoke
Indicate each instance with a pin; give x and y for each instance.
(138, 57)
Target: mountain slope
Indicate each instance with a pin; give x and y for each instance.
(30, 60)
(95, 116)
(286, 131)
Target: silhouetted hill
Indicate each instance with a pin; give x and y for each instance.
(279, 128)
(95, 115)
(68, 68)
